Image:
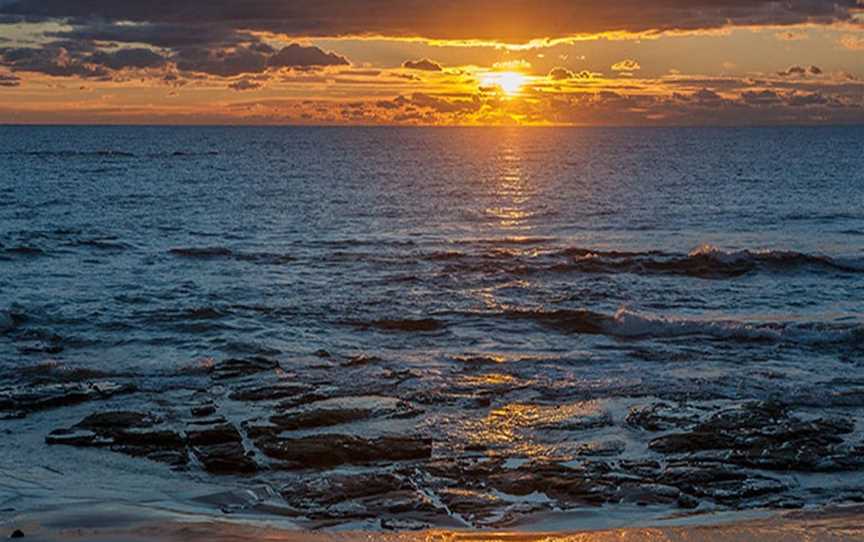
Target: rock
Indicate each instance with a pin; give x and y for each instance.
(326, 490)
(396, 524)
(341, 410)
(204, 411)
(607, 447)
(319, 418)
(220, 450)
(330, 450)
(17, 533)
(766, 435)
(133, 433)
(661, 417)
(273, 392)
(235, 368)
(43, 397)
(322, 353)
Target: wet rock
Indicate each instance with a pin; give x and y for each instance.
(333, 449)
(473, 505)
(396, 524)
(235, 368)
(330, 489)
(605, 448)
(322, 353)
(319, 418)
(661, 417)
(719, 482)
(133, 433)
(204, 411)
(767, 436)
(343, 410)
(273, 392)
(17, 533)
(19, 402)
(220, 450)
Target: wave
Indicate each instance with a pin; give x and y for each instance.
(406, 325)
(707, 261)
(209, 253)
(628, 324)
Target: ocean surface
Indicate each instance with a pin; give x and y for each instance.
(523, 299)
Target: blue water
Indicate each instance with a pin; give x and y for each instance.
(725, 264)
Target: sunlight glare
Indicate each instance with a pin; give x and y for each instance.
(510, 83)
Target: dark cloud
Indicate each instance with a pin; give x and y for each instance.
(508, 20)
(423, 64)
(563, 74)
(800, 71)
(245, 84)
(128, 59)
(298, 56)
(56, 61)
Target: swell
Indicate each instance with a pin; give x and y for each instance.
(706, 262)
(628, 324)
(216, 253)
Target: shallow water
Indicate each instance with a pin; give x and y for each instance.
(511, 286)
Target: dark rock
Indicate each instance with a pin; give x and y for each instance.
(332, 449)
(319, 418)
(17, 533)
(273, 392)
(322, 353)
(661, 417)
(204, 411)
(766, 435)
(327, 490)
(235, 368)
(133, 433)
(220, 450)
(44, 397)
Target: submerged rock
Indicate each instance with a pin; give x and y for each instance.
(236, 367)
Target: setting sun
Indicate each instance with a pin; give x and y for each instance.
(510, 83)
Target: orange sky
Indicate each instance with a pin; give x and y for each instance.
(412, 62)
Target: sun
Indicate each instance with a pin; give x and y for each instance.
(510, 83)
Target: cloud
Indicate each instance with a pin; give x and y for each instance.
(446, 19)
(128, 59)
(800, 71)
(423, 65)
(83, 59)
(52, 60)
(245, 84)
(627, 65)
(298, 56)
(852, 42)
(563, 74)
(9, 80)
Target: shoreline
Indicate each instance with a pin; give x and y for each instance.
(126, 523)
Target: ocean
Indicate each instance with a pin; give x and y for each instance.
(398, 328)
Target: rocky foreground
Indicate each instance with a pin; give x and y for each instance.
(485, 449)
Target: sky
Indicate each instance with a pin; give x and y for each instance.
(422, 62)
